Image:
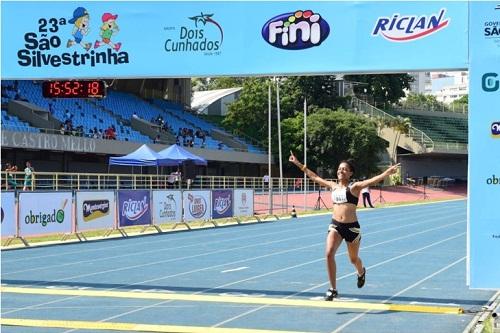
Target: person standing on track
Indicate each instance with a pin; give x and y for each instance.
(344, 223)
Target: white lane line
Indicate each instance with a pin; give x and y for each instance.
(217, 251)
(340, 328)
(340, 278)
(234, 269)
(24, 259)
(291, 267)
(265, 306)
(255, 258)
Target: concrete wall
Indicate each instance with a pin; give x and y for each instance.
(427, 165)
(55, 142)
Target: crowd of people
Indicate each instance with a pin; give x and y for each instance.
(188, 135)
(162, 124)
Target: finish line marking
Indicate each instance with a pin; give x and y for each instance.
(240, 300)
(114, 326)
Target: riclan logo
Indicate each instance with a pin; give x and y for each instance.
(134, 209)
(407, 28)
(296, 31)
(489, 82)
(495, 130)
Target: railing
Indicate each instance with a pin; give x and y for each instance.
(460, 108)
(416, 134)
(451, 146)
(60, 181)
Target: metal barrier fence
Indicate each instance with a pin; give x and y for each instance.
(98, 181)
(269, 197)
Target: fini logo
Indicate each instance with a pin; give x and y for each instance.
(495, 130)
(296, 30)
(407, 28)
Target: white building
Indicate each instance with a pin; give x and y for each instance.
(421, 84)
(450, 86)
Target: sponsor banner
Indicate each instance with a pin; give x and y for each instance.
(484, 146)
(196, 205)
(243, 202)
(222, 203)
(8, 208)
(45, 213)
(167, 206)
(57, 39)
(95, 210)
(134, 207)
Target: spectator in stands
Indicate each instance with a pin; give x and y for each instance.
(135, 115)
(62, 129)
(365, 191)
(11, 178)
(80, 131)
(157, 139)
(191, 143)
(220, 146)
(67, 116)
(90, 134)
(28, 176)
(344, 223)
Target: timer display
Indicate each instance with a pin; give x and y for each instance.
(74, 89)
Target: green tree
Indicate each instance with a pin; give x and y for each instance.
(461, 104)
(334, 136)
(384, 88)
(225, 82)
(320, 91)
(421, 101)
(249, 113)
(401, 126)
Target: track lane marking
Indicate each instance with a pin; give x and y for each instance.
(236, 299)
(134, 327)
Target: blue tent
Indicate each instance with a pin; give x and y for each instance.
(176, 155)
(144, 156)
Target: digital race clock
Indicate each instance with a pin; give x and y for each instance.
(74, 89)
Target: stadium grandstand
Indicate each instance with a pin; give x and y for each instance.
(81, 134)
(435, 144)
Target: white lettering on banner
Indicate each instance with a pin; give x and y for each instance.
(48, 141)
(222, 204)
(405, 28)
(134, 209)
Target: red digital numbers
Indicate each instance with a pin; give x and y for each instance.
(74, 89)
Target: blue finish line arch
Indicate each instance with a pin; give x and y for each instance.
(63, 40)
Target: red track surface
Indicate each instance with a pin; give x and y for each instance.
(390, 195)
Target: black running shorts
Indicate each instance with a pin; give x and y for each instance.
(351, 232)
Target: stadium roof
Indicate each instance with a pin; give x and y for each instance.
(202, 99)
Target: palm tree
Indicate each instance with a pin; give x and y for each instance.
(401, 126)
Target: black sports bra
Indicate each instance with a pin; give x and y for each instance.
(344, 195)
